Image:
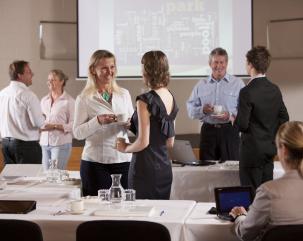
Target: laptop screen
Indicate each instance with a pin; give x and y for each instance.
(229, 197)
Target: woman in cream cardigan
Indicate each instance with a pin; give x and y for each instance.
(277, 202)
(96, 121)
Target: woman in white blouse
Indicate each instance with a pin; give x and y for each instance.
(56, 134)
(277, 202)
(95, 121)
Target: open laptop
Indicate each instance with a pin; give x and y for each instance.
(229, 197)
(182, 153)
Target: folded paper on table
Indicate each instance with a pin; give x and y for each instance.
(134, 211)
(28, 170)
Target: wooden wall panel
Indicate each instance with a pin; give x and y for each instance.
(281, 40)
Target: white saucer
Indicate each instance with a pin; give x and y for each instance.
(76, 212)
(217, 115)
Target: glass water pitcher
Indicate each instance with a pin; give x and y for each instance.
(116, 190)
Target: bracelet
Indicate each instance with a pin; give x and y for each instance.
(55, 127)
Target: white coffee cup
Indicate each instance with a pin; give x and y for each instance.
(122, 117)
(77, 206)
(218, 109)
(75, 194)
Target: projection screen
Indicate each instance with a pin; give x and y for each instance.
(185, 30)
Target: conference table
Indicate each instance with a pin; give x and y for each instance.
(186, 220)
(198, 182)
(58, 223)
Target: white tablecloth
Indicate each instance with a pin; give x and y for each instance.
(52, 198)
(202, 226)
(63, 227)
(46, 194)
(198, 182)
(185, 220)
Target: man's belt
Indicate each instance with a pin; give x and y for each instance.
(219, 125)
(12, 139)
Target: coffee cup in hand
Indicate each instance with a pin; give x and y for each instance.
(120, 140)
(218, 109)
(123, 117)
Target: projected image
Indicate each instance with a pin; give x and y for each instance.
(186, 30)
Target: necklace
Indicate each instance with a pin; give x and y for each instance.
(106, 96)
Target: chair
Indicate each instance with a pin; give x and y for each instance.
(117, 230)
(19, 230)
(284, 232)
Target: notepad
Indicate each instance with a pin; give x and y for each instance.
(133, 211)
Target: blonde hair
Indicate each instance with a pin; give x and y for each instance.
(60, 74)
(91, 85)
(290, 134)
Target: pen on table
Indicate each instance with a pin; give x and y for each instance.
(162, 212)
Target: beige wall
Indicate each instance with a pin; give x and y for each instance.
(19, 28)
(284, 72)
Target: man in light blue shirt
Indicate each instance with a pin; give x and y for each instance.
(214, 102)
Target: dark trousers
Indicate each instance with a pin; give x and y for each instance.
(96, 176)
(219, 142)
(255, 176)
(21, 152)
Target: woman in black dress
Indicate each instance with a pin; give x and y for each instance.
(150, 172)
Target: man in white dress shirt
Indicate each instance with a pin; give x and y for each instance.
(21, 117)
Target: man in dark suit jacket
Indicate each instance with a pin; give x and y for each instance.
(260, 113)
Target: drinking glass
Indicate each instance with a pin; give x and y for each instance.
(64, 175)
(75, 194)
(53, 173)
(129, 195)
(103, 195)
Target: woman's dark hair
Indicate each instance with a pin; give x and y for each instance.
(155, 69)
(259, 57)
